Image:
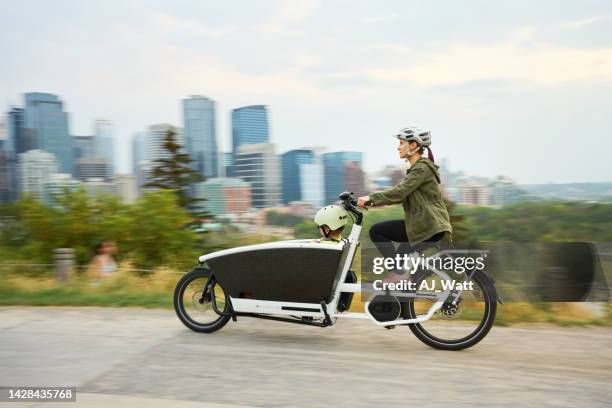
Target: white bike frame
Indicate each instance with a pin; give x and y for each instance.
(268, 307)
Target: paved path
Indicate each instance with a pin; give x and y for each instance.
(134, 357)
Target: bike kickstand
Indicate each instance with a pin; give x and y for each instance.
(327, 320)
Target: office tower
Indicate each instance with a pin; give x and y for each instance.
(226, 162)
(302, 177)
(83, 146)
(258, 165)
(35, 169)
(224, 196)
(249, 126)
(20, 138)
(139, 157)
(200, 134)
(45, 116)
(312, 183)
(91, 167)
(155, 139)
(104, 144)
(6, 190)
(343, 172)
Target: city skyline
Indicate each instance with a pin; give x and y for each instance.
(518, 79)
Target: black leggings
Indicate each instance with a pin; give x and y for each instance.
(384, 234)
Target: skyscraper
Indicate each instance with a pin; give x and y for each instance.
(343, 172)
(249, 126)
(257, 164)
(83, 146)
(35, 169)
(20, 138)
(200, 134)
(155, 138)
(44, 114)
(104, 144)
(302, 177)
(139, 157)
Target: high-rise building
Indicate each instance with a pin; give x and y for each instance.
(20, 138)
(139, 158)
(200, 134)
(226, 162)
(6, 190)
(104, 144)
(91, 167)
(155, 139)
(249, 126)
(302, 177)
(258, 165)
(343, 172)
(45, 116)
(83, 146)
(35, 169)
(224, 195)
(312, 184)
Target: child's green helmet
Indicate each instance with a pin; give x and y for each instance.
(333, 216)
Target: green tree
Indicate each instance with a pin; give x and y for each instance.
(174, 173)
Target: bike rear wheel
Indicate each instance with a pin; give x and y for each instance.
(200, 302)
(455, 327)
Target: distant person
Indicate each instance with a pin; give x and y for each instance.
(103, 264)
(331, 221)
(426, 218)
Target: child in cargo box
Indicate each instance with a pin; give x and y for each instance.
(331, 221)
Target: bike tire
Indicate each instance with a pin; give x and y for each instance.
(182, 314)
(490, 294)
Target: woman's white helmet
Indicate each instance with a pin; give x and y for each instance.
(421, 136)
(333, 216)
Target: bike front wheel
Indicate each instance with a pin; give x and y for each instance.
(455, 326)
(200, 302)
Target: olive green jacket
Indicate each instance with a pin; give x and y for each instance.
(420, 194)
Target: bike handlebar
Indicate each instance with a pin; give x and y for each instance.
(350, 204)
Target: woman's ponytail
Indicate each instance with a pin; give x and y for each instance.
(430, 155)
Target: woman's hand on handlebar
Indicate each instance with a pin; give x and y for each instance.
(363, 201)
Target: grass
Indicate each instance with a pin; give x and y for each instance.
(126, 288)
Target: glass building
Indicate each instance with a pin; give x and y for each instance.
(343, 172)
(44, 114)
(249, 126)
(200, 134)
(257, 164)
(36, 168)
(104, 144)
(83, 146)
(293, 173)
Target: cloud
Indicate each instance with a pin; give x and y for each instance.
(543, 65)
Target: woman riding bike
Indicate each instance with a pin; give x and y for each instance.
(426, 218)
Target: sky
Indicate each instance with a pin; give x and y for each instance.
(521, 88)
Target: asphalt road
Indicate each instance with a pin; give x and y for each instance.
(134, 357)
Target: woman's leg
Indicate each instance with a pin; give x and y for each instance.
(384, 234)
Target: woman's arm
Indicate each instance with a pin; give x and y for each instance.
(396, 194)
